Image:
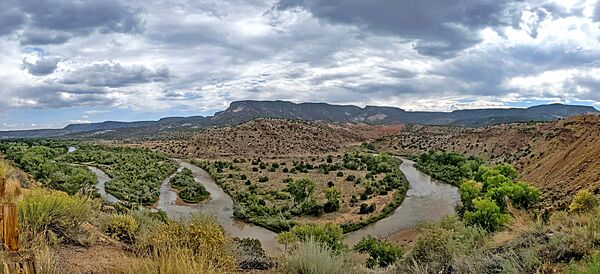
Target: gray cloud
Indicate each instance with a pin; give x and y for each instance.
(597, 12)
(56, 21)
(11, 18)
(44, 66)
(115, 75)
(441, 27)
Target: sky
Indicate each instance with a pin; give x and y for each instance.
(84, 61)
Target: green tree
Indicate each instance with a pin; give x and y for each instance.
(486, 214)
(469, 190)
(300, 189)
(381, 253)
(332, 195)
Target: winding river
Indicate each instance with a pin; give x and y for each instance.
(426, 200)
(219, 205)
(100, 186)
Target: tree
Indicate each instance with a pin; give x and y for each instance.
(469, 190)
(300, 189)
(486, 214)
(381, 253)
(332, 195)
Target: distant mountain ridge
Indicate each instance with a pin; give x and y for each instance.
(244, 111)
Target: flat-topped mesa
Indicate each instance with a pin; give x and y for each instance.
(243, 111)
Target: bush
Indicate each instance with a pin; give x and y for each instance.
(329, 235)
(350, 178)
(263, 179)
(122, 227)
(340, 174)
(300, 189)
(486, 214)
(592, 265)
(584, 201)
(199, 237)
(53, 217)
(439, 244)
(381, 253)
(366, 209)
(333, 200)
(311, 257)
(250, 255)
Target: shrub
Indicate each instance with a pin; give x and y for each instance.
(198, 237)
(584, 201)
(592, 265)
(340, 174)
(329, 235)
(263, 179)
(333, 199)
(52, 216)
(381, 253)
(250, 255)
(486, 214)
(311, 257)
(122, 227)
(366, 209)
(439, 244)
(350, 178)
(300, 189)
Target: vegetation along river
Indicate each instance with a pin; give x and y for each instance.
(426, 200)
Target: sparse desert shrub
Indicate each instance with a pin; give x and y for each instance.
(121, 226)
(333, 199)
(178, 261)
(440, 244)
(199, 238)
(340, 174)
(381, 253)
(311, 257)
(591, 265)
(53, 216)
(584, 201)
(329, 235)
(263, 179)
(249, 254)
(366, 209)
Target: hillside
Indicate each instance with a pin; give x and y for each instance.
(560, 157)
(268, 138)
(243, 111)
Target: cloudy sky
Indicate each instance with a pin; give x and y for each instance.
(93, 60)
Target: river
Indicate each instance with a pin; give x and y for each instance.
(100, 186)
(426, 200)
(219, 205)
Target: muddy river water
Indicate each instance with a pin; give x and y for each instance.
(426, 200)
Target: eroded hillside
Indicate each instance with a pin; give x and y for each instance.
(270, 138)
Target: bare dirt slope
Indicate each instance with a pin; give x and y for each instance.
(566, 159)
(270, 138)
